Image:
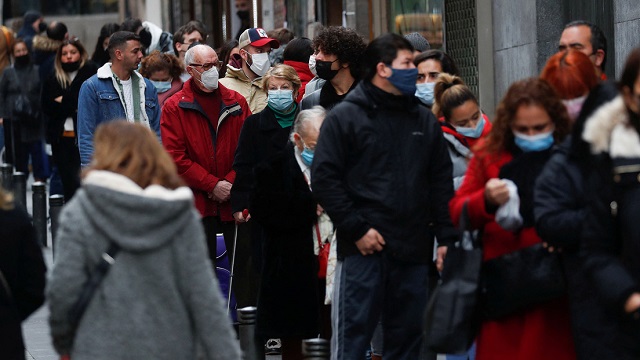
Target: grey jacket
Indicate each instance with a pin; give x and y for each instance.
(160, 296)
(460, 156)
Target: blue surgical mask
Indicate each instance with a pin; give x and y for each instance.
(161, 86)
(280, 100)
(424, 92)
(307, 156)
(472, 132)
(404, 80)
(530, 143)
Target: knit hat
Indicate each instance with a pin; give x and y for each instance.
(256, 37)
(418, 41)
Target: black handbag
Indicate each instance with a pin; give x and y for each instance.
(520, 280)
(452, 318)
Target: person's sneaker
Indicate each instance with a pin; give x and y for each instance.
(273, 347)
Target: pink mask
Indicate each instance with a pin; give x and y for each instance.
(574, 106)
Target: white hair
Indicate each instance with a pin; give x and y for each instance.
(305, 118)
(191, 53)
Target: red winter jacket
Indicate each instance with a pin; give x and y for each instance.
(202, 153)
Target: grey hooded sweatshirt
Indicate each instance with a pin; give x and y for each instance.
(160, 297)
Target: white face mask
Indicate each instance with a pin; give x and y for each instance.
(260, 63)
(312, 64)
(209, 78)
(574, 106)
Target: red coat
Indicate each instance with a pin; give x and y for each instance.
(543, 332)
(187, 136)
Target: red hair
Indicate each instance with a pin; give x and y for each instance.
(570, 73)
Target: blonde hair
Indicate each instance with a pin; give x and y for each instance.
(450, 92)
(134, 151)
(6, 200)
(285, 72)
(61, 76)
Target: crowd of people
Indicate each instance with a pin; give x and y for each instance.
(336, 172)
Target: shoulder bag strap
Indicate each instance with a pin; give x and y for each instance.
(4, 284)
(91, 285)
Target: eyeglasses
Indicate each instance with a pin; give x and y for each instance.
(208, 66)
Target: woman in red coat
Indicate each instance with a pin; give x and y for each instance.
(529, 121)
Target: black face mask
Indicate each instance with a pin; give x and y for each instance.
(42, 26)
(243, 14)
(324, 71)
(70, 67)
(22, 61)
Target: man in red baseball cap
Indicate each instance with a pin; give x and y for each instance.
(255, 46)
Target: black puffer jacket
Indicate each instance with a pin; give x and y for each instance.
(382, 162)
(610, 247)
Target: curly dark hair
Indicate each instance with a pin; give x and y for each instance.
(157, 61)
(532, 91)
(345, 43)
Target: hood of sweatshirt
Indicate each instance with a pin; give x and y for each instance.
(137, 219)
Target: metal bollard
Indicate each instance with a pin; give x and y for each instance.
(251, 349)
(20, 189)
(7, 170)
(55, 206)
(39, 206)
(315, 349)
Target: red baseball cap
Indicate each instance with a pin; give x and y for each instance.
(256, 37)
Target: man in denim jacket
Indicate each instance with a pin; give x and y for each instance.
(116, 92)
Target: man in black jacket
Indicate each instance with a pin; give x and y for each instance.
(382, 172)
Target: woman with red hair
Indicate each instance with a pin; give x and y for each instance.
(560, 202)
(572, 75)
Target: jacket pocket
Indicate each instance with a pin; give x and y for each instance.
(110, 105)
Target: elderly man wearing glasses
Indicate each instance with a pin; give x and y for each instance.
(200, 129)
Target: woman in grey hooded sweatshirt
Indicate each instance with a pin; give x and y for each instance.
(160, 299)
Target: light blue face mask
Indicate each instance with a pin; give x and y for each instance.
(161, 86)
(473, 133)
(424, 92)
(530, 143)
(307, 156)
(280, 100)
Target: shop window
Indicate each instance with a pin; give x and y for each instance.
(422, 16)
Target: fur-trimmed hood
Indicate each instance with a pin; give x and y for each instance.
(608, 131)
(43, 43)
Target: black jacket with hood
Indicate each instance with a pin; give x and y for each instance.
(382, 162)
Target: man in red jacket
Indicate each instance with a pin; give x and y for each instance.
(200, 126)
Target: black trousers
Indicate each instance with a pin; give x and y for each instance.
(67, 158)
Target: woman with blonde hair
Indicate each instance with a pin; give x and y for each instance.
(60, 103)
(160, 283)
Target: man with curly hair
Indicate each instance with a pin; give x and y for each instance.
(338, 53)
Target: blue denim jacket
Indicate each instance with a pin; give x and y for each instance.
(100, 101)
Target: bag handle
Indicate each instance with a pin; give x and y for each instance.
(464, 226)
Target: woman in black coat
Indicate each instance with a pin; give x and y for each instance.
(22, 270)
(292, 292)
(60, 103)
(23, 136)
(610, 247)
